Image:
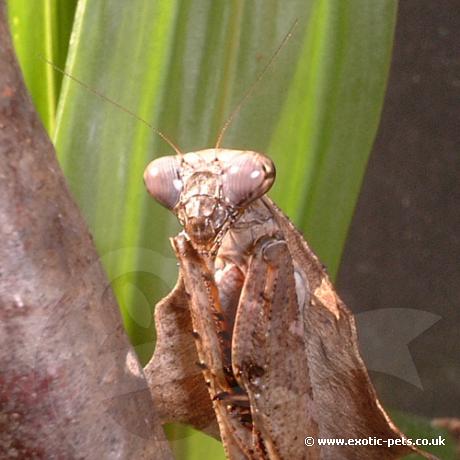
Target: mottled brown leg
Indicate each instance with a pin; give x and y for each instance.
(269, 356)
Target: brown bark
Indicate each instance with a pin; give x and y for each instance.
(70, 384)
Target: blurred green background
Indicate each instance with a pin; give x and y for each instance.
(183, 65)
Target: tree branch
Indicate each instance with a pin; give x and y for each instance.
(70, 383)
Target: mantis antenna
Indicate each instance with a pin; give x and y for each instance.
(251, 89)
(227, 123)
(115, 103)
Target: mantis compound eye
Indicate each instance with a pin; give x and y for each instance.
(247, 177)
(163, 181)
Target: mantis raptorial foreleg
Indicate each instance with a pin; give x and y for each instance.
(269, 320)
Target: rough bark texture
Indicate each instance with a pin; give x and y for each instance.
(404, 247)
(70, 384)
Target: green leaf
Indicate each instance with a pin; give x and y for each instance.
(42, 32)
(183, 66)
(122, 49)
(329, 121)
(191, 444)
(419, 428)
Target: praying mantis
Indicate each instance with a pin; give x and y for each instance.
(255, 312)
(276, 346)
(254, 336)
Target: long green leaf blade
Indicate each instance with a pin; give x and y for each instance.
(122, 50)
(330, 119)
(42, 31)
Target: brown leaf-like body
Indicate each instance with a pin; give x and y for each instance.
(175, 380)
(296, 371)
(344, 399)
